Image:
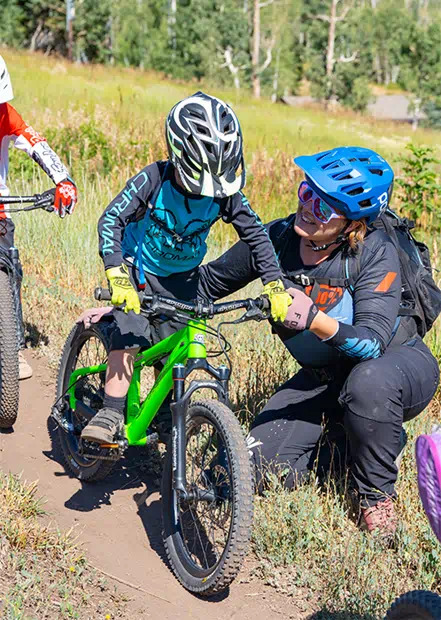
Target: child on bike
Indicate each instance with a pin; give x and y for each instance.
(14, 129)
(152, 237)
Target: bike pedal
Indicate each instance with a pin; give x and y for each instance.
(109, 445)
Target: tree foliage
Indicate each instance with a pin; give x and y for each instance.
(338, 46)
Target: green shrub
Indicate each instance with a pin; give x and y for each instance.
(420, 188)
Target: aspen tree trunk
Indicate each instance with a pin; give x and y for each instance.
(255, 77)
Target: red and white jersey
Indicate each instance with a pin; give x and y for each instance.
(14, 129)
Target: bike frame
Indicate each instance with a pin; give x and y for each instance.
(187, 352)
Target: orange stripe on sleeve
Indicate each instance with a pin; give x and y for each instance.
(386, 282)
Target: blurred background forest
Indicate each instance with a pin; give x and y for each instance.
(341, 51)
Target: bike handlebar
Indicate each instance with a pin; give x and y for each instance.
(199, 308)
(13, 200)
(37, 201)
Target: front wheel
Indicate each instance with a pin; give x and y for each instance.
(206, 536)
(416, 605)
(9, 389)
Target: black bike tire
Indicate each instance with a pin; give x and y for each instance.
(9, 368)
(241, 523)
(78, 335)
(416, 605)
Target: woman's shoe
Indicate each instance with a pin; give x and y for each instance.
(380, 518)
(24, 369)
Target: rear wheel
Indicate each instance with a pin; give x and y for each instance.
(416, 605)
(207, 535)
(9, 386)
(84, 347)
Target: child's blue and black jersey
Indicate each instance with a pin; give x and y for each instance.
(162, 229)
(365, 307)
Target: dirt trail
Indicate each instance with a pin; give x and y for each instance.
(119, 521)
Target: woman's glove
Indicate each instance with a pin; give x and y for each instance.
(122, 289)
(279, 299)
(301, 312)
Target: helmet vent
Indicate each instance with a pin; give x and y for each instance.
(354, 191)
(365, 203)
(196, 114)
(193, 148)
(203, 130)
(377, 171)
(331, 166)
(342, 176)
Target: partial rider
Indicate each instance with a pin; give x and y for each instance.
(14, 129)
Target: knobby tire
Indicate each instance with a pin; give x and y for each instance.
(78, 338)
(9, 376)
(416, 605)
(218, 578)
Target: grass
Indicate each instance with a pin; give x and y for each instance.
(44, 573)
(107, 123)
(309, 540)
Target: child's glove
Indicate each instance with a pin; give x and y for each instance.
(122, 289)
(279, 299)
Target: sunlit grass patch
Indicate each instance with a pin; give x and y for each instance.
(308, 538)
(44, 572)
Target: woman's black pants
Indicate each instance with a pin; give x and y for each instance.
(307, 424)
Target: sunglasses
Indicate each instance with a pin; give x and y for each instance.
(322, 212)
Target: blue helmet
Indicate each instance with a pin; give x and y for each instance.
(353, 179)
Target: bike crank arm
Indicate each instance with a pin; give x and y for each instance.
(58, 416)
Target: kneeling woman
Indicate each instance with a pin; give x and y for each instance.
(365, 370)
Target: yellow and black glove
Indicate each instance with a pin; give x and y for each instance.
(279, 299)
(122, 289)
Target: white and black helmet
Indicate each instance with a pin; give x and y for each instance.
(6, 93)
(204, 142)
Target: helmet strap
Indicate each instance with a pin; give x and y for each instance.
(341, 237)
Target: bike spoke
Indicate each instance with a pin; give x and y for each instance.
(89, 389)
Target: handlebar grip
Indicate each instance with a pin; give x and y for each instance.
(102, 294)
(264, 303)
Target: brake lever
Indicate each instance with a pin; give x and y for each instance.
(157, 308)
(44, 203)
(252, 314)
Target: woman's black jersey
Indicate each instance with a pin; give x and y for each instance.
(361, 291)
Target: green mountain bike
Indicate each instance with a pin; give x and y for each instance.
(207, 483)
